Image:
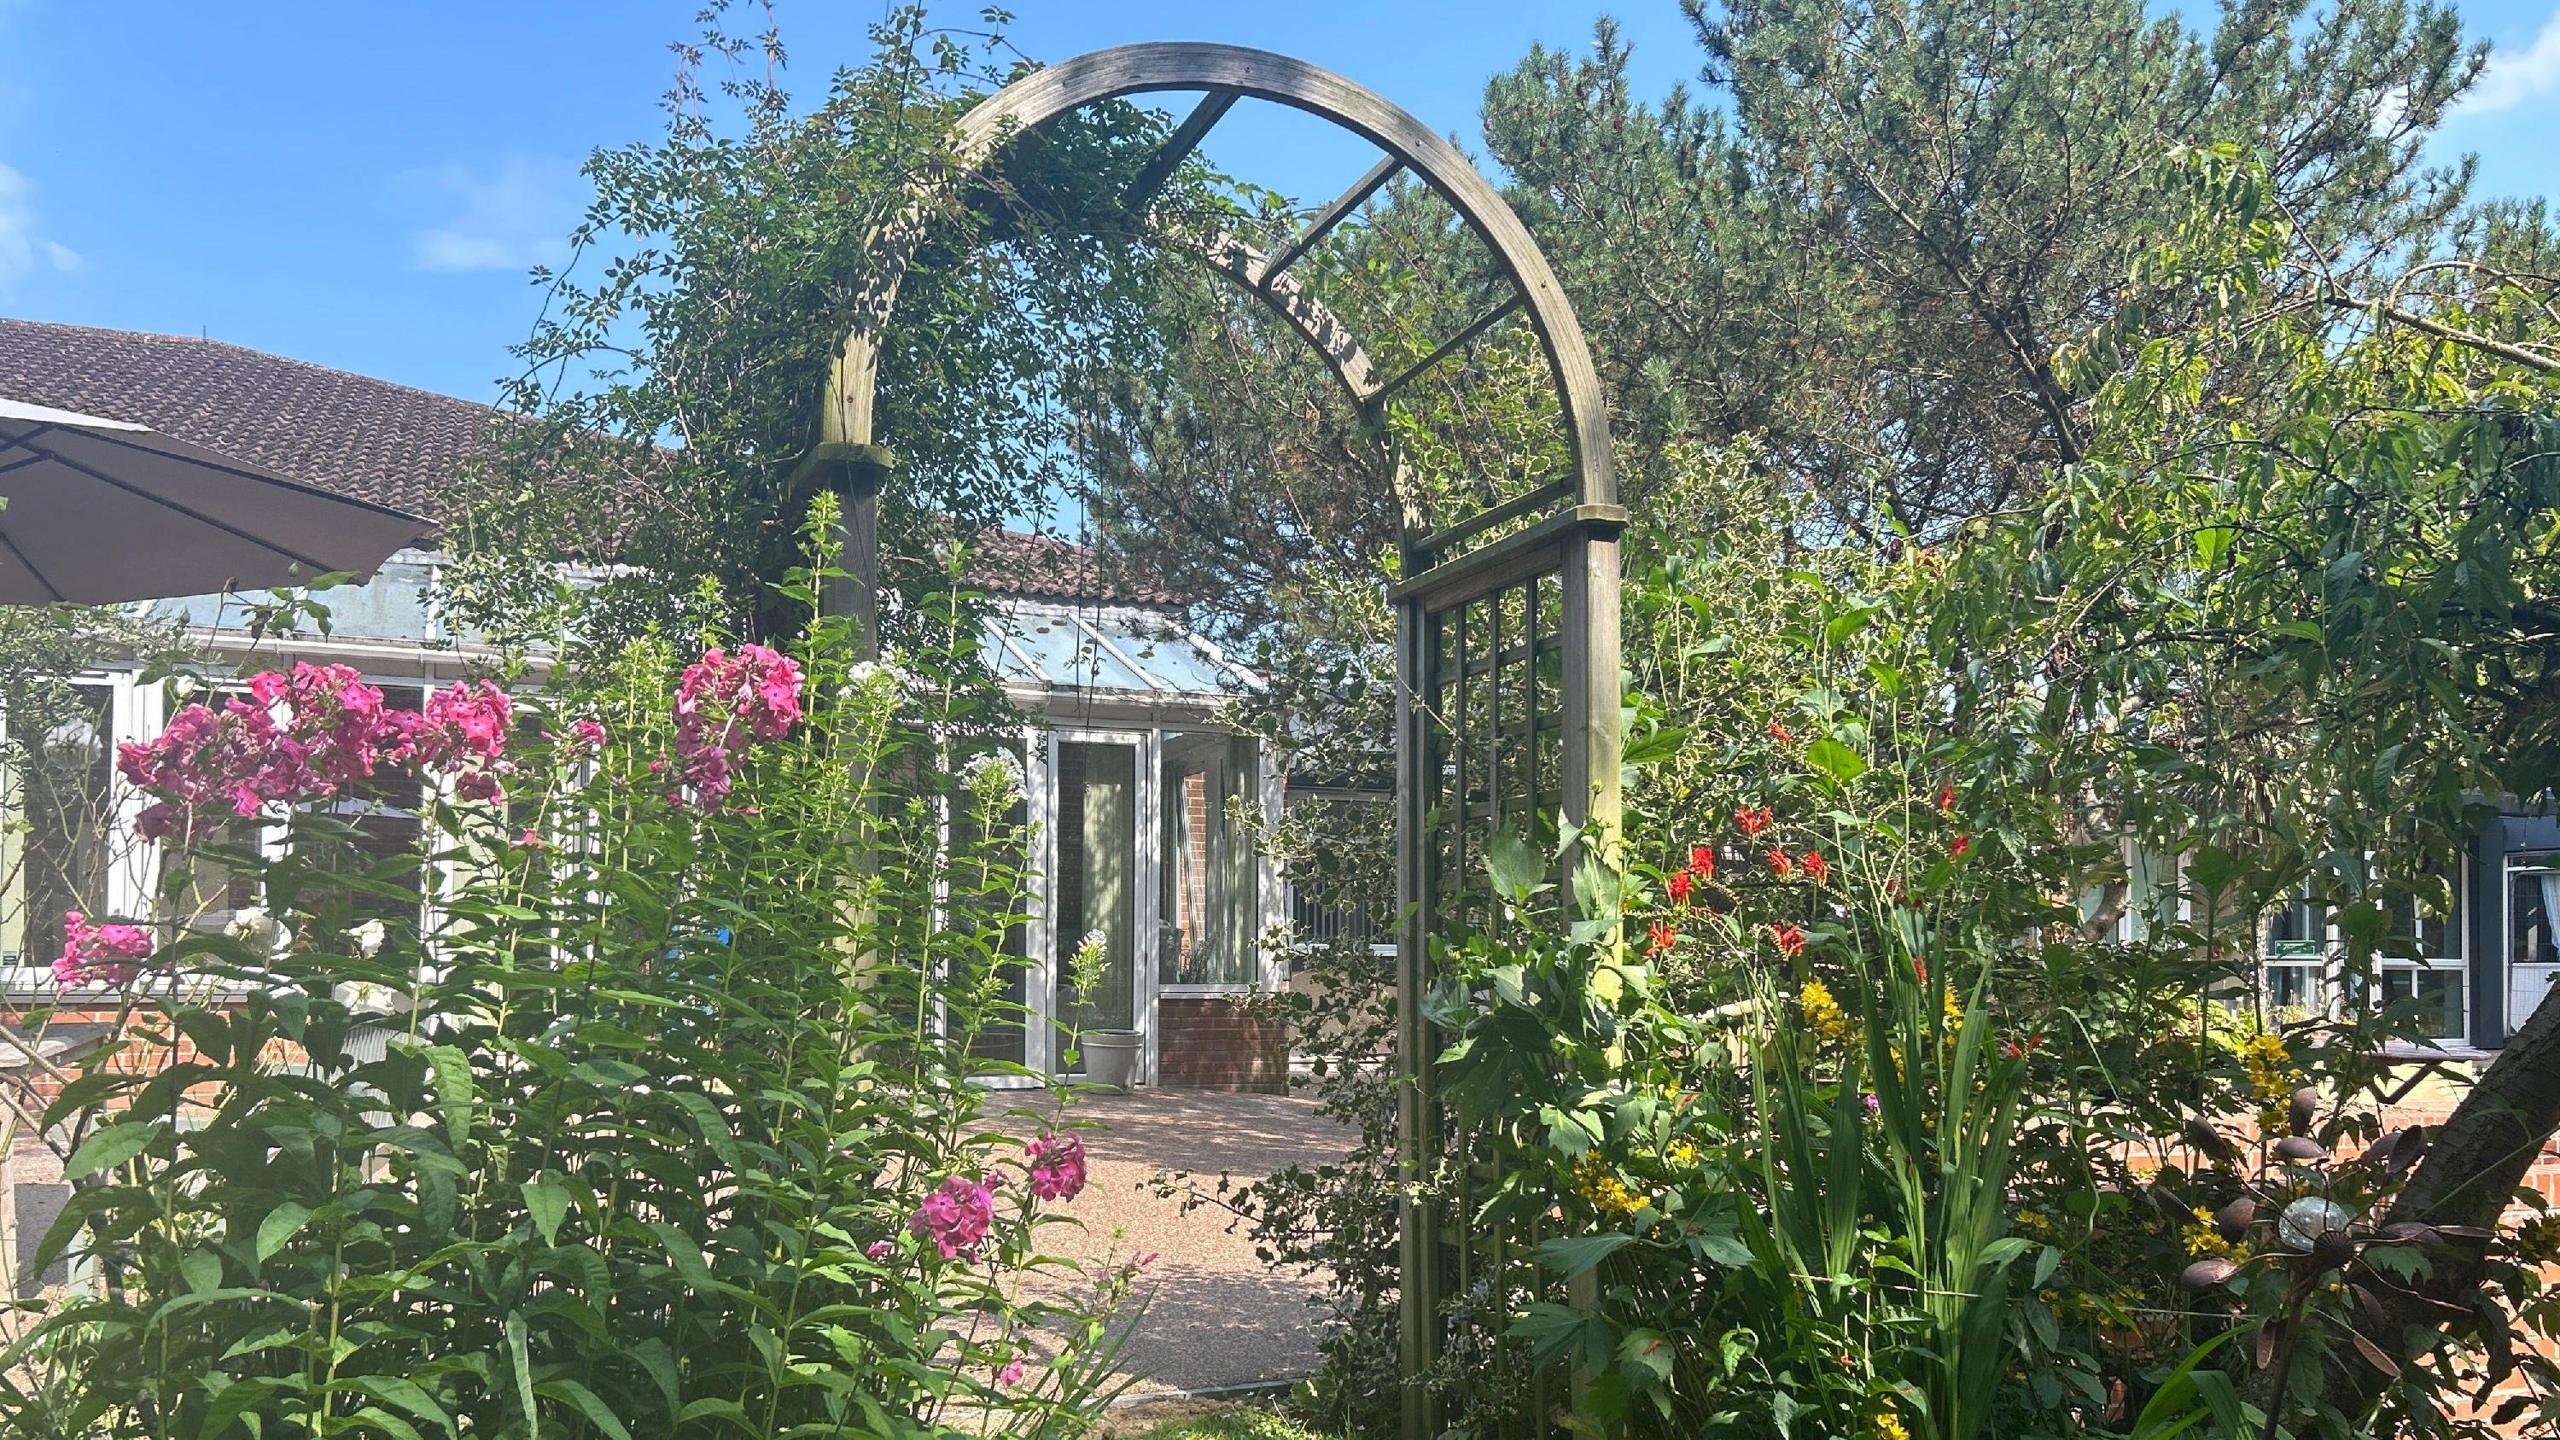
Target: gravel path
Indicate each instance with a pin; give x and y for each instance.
(1216, 1317)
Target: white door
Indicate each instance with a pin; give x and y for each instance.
(1101, 887)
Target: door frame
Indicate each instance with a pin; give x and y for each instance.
(1145, 874)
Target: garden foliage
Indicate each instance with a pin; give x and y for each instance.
(661, 1124)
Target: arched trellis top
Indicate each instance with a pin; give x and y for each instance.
(1226, 73)
(1507, 654)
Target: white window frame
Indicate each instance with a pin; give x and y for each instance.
(2318, 957)
(1270, 903)
(2459, 926)
(2548, 860)
(132, 867)
(1383, 941)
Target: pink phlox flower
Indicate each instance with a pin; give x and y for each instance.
(1057, 1166)
(725, 702)
(107, 954)
(956, 1217)
(1011, 1374)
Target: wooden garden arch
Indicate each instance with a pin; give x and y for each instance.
(1542, 563)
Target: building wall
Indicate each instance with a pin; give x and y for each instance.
(1221, 1042)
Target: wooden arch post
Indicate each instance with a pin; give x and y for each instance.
(1512, 608)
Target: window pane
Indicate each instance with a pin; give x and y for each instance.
(2437, 993)
(2296, 991)
(1096, 880)
(387, 814)
(1210, 918)
(54, 830)
(2435, 933)
(1341, 876)
(2533, 902)
(2296, 927)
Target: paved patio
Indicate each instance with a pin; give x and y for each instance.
(1216, 1319)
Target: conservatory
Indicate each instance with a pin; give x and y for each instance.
(1147, 810)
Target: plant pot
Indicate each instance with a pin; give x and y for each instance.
(1111, 1057)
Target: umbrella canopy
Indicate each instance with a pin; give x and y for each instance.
(103, 511)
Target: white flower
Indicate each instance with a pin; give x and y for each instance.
(997, 777)
(252, 925)
(365, 997)
(876, 678)
(369, 937)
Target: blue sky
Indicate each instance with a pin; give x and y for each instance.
(363, 185)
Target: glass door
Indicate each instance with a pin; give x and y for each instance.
(1101, 887)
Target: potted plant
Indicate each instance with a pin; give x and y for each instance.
(1110, 1055)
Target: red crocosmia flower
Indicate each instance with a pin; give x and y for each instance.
(1946, 799)
(1752, 821)
(1815, 867)
(1919, 969)
(1790, 938)
(1779, 863)
(1661, 937)
(1781, 733)
(1702, 861)
(1963, 843)
(2009, 1050)
(1679, 885)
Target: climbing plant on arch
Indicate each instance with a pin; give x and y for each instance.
(1507, 614)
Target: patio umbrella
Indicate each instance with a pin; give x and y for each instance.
(103, 511)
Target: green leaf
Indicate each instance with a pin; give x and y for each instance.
(522, 1362)
(112, 1146)
(683, 1254)
(454, 1092)
(713, 1125)
(1575, 1254)
(282, 1224)
(1835, 759)
(1647, 1355)
(586, 1403)
(546, 1199)
(201, 1269)
(1516, 867)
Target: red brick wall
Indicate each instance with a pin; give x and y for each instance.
(1213, 1042)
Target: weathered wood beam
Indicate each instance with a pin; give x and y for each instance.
(1177, 148)
(1334, 214)
(1448, 347)
(1439, 542)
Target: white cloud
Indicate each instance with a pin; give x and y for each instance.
(518, 216)
(2516, 76)
(23, 251)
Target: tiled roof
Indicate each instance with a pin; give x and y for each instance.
(352, 434)
(1043, 567)
(386, 443)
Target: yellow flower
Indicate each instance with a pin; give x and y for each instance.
(1682, 1154)
(2203, 1238)
(1602, 1189)
(1823, 1013)
(1889, 1425)
(2272, 1078)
